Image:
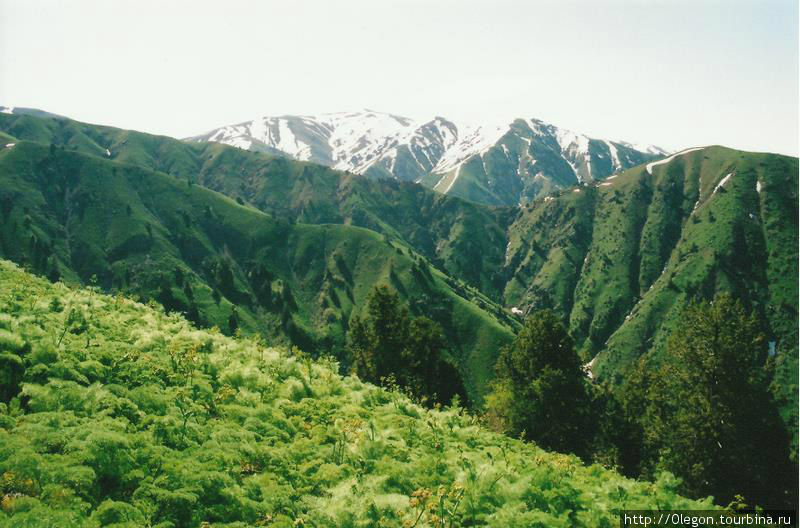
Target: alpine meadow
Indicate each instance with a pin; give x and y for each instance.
(485, 310)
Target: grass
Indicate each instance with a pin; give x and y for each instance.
(119, 414)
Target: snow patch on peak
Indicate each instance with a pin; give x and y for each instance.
(6, 109)
(569, 140)
(472, 140)
(614, 155)
(258, 129)
(722, 182)
(650, 166)
(287, 142)
(575, 150)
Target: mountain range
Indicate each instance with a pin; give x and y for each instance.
(507, 163)
(283, 253)
(261, 243)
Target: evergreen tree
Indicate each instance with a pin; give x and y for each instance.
(233, 321)
(389, 343)
(377, 343)
(541, 389)
(709, 416)
(432, 374)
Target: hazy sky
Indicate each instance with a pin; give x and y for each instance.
(672, 73)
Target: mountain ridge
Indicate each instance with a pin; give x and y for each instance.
(616, 260)
(434, 152)
(123, 227)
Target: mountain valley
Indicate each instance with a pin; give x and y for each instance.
(285, 256)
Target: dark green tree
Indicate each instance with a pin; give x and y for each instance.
(12, 364)
(233, 321)
(377, 342)
(431, 373)
(708, 415)
(616, 435)
(166, 297)
(389, 343)
(541, 390)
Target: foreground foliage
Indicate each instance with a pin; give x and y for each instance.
(114, 413)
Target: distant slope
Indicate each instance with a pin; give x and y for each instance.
(116, 414)
(497, 164)
(464, 239)
(86, 218)
(619, 260)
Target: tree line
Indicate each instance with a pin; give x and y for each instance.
(704, 411)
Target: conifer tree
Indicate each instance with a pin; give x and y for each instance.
(540, 390)
(389, 343)
(708, 416)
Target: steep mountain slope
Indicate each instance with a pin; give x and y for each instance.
(115, 414)
(127, 228)
(620, 260)
(617, 259)
(499, 164)
(464, 239)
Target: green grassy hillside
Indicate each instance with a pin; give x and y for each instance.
(617, 260)
(620, 260)
(115, 414)
(463, 239)
(127, 228)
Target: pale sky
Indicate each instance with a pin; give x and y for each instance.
(666, 72)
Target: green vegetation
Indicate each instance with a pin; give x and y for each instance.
(223, 264)
(707, 413)
(704, 412)
(257, 245)
(541, 391)
(616, 261)
(619, 262)
(389, 346)
(122, 415)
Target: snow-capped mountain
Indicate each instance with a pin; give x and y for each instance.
(505, 163)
